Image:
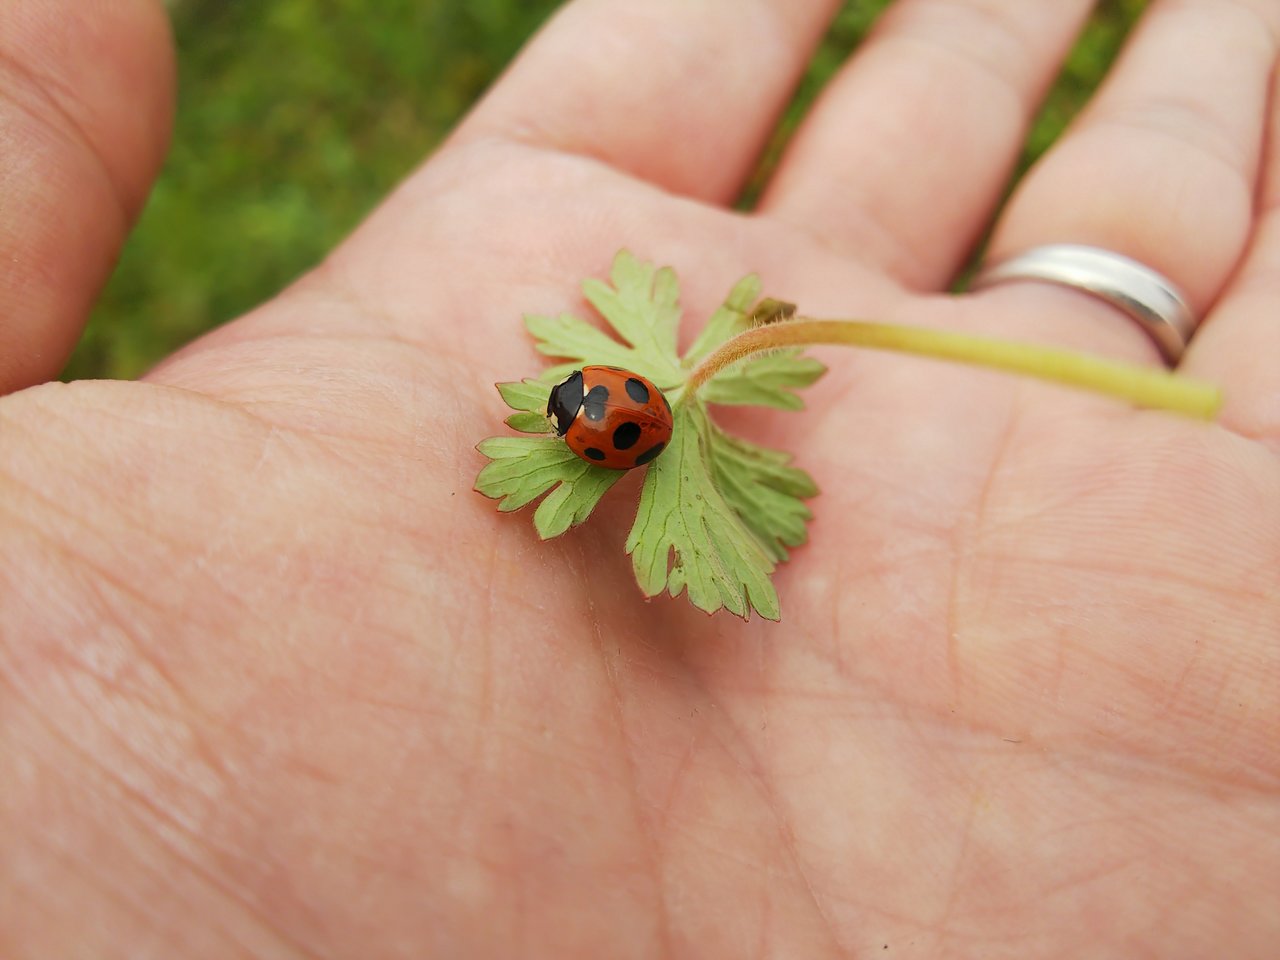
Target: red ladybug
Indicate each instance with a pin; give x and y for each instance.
(611, 417)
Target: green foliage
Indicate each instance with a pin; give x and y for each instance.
(296, 117)
(683, 513)
(769, 380)
(523, 468)
(716, 513)
(764, 491)
(529, 398)
(641, 306)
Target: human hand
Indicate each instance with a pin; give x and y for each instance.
(277, 683)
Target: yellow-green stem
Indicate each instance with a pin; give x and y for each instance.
(1141, 386)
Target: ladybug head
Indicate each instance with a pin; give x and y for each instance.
(565, 401)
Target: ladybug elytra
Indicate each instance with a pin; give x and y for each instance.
(611, 417)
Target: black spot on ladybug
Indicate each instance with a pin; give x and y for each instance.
(593, 453)
(593, 403)
(637, 391)
(564, 401)
(649, 454)
(625, 437)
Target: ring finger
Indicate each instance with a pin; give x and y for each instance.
(1162, 167)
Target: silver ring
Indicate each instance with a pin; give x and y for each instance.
(1153, 301)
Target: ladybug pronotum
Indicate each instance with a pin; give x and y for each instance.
(611, 417)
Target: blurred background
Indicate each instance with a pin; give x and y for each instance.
(296, 116)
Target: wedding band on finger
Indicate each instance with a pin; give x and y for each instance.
(1151, 299)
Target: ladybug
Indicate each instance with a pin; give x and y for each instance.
(611, 417)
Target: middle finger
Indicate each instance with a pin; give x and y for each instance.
(910, 147)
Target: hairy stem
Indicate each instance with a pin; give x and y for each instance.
(1140, 386)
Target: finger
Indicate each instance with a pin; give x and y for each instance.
(908, 151)
(681, 94)
(85, 99)
(1239, 343)
(1161, 167)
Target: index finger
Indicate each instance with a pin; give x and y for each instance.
(681, 94)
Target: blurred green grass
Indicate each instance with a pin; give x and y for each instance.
(296, 117)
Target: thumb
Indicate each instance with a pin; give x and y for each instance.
(86, 93)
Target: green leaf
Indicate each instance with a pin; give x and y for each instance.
(688, 536)
(523, 469)
(530, 398)
(529, 423)
(716, 513)
(764, 492)
(567, 336)
(642, 306)
(572, 502)
(767, 380)
(527, 395)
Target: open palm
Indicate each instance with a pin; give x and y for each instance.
(277, 683)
